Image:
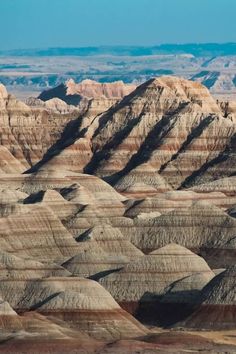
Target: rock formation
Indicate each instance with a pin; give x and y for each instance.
(168, 201)
(53, 241)
(12, 267)
(120, 207)
(170, 131)
(217, 309)
(27, 132)
(204, 228)
(221, 84)
(54, 105)
(170, 275)
(72, 93)
(82, 302)
(111, 240)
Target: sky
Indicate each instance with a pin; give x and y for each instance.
(76, 23)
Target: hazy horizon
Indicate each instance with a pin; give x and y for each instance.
(119, 46)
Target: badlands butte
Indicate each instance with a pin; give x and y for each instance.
(118, 219)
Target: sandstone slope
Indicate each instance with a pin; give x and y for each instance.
(170, 131)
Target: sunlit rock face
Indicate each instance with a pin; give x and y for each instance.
(71, 91)
(126, 223)
(169, 133)
(28, 132)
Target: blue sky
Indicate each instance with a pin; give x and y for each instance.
(73, 23)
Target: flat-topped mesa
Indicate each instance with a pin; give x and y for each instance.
(217, 309)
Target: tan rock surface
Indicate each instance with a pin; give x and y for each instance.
(165, 202)
(54, 105)
(82, 302)
(167, 126)
(202, 227)
(36, 233)
(12, 267)
(150, 278)
(168, 148)
(8, 163)
(217, 308)
(92, 262)
(111, 240)
(170, 131)
(89, 89)
(28, 132)
(186, 104)
(32, 332)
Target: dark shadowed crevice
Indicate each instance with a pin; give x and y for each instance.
(151, 143)
(124, 102)
(195, 133)
(190, 181)
(69, 135)
(106, 152)
(43, 302)
(103, 274)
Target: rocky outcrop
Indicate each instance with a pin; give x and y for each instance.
(24, 333)
(12, 267)
(170, 131)
(27, 132)
(151, 114)
(93, 262)
(82, 302)
(53, 241)
(54, 105)
(162, 203)
(168, 149)
(228, 108)
(224, 185)
(217, 309)
(10, 164)
(170, 275)
(221, 84)
(72, 92)
(10, 201)
(111, 240)
(203, 228)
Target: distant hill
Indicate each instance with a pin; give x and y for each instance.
(196, 49)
